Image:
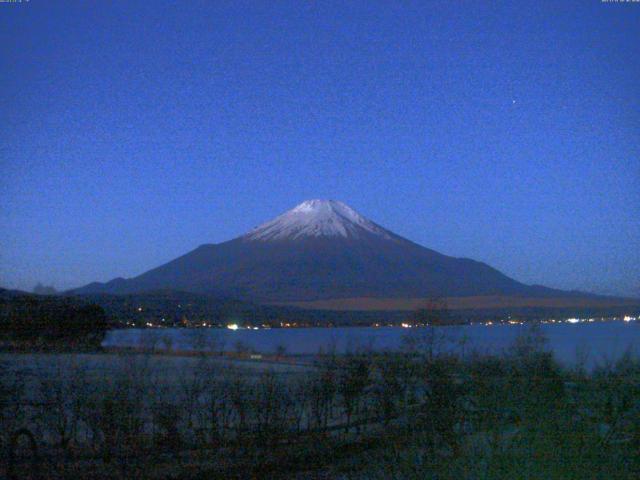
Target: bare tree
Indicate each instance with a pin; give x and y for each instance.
(322, 389)
(352, 380)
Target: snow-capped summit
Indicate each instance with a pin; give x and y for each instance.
(317, 218)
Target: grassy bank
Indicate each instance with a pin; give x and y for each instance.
(412, 414)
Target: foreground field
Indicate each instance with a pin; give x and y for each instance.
(409, 414)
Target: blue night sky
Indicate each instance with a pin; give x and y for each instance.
(134, 131)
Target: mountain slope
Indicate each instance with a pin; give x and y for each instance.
(321, 250)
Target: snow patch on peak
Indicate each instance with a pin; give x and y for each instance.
(317, 218)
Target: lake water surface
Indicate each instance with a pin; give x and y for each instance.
(597, 342)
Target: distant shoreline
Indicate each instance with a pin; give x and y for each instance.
(462, 303)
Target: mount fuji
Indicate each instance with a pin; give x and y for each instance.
(322, 250)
